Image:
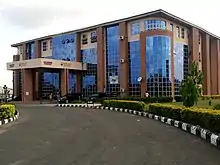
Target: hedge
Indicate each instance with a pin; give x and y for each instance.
(206, 118)
(148, 100)
(125, 104)
(7, 111)
(207, 97)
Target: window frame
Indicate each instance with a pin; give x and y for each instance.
(134, 30)
(44, 46)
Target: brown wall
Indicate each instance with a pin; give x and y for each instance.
(206, 63)
(78, 59)
(194, 45)
(218, 69)
(27, 85)
(101, 59)
(143, 54)
(214, 67)
(64, 81)
(124, 66)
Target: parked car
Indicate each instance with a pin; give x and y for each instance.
(96, 97)
(70, 97)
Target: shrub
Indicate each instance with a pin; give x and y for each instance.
(125, 104)
(206, 118)
(7, 111)
(216, 107)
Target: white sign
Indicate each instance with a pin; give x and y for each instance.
(113, 79)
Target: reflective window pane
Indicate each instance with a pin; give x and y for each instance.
(158, 65)
(155, 24)
(135, 28)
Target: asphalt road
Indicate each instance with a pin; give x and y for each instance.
(74, 136)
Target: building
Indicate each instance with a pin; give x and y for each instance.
(149, 52)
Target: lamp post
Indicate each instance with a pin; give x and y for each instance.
(5, 88)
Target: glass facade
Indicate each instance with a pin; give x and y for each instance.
(180, 65)
(64, 47)
(134, 67)
(71, 82)
(155, 24)
(158, 65)
(89, 79)
(50, 83)
(135, 28)
(30, 51)
(112, 60)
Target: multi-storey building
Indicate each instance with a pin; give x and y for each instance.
(149, 52)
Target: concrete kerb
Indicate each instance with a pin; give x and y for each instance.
(206, 135)
(6, 121)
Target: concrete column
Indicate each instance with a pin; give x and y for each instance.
(24, 51)
(101, 59)
(64, 81)
(16, 83)
(143, 63)
(206, 64)
(37, 49)
(27, 85)
(37, 54)
(78, 59)
(124, 66)
(214, 66)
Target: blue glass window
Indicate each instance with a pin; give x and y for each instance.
(134, 68)
(155, 24)
(135, 28)
(89, 79)
(30, 51)
(180, 65)
(112, 60)
(50, 82)
(64, 47)
(71, 82)
(158, 65)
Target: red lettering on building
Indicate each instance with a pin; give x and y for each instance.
(47, 62)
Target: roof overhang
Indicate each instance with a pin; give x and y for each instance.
(46, 63)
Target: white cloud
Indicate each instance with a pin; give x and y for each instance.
(25, 19)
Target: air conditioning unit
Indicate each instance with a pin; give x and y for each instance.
(122, 90)
(121, 37)
(122, 60)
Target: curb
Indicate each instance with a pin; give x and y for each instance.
(6, 121)
(206, 135)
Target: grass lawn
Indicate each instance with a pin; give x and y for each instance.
(202, 103)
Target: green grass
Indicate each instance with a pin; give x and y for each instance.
(201, 103)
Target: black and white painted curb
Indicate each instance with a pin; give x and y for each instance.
(6, 121)
(195, 130)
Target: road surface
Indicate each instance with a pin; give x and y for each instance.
(47, 135)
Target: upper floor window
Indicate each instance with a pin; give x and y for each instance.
(135, 28)
(171, 27)
(84, 39)
(155, 24)
(182, 33)
(51, 45)
(44, 45)
(93, 37)
(178, 32)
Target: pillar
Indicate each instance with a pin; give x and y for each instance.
(101, 59)
(78, 59)
(194, 45)
(64, 81)
(16, 83)
(124, 65)
(214, 66)
(143, 63)
(218, 58)
(37, 53)
(27, 85)
(206, 64)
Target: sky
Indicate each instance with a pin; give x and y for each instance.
(27, 19)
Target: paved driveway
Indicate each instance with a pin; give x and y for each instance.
(71, 136)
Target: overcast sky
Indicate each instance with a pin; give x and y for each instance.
(26, 19)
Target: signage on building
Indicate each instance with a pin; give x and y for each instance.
(113, 79)
(47, 63)
(11, 65)
(22, 64)
(65, 64)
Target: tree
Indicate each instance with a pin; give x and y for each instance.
(191, 87)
